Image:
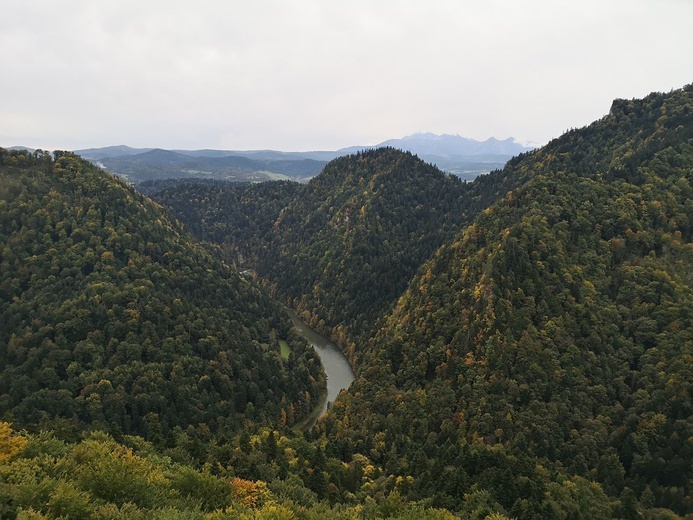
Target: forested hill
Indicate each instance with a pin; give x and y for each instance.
(347, 245)
(525, 340)
(238, 217)
(341, 248)
(555, 332)
(113, 318)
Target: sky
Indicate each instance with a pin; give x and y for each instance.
(300, 75)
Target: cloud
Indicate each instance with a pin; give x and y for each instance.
(312, 74)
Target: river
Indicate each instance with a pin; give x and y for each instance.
(339, 373)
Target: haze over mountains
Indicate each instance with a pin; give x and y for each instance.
(447, 145)
(466, 158)
(523, 343)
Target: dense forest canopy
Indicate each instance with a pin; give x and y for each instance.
(552, 328)
(238, 217)
(524, 342)
(558, 326)
(342, 248)
(113, 318)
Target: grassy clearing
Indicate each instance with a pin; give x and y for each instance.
(286, 350)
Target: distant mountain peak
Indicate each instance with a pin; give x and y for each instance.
(449, 145)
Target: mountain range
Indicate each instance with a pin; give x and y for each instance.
(539, 316)
(464, 157)
(446, 145)
(523, 343)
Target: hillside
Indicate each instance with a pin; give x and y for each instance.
(160, 164)
(466, 158)
(555, 331)
(238, 217)
(114, 319)
(342, 248)
(349, 243)
(524, 342)
(41, 477)
(542, 352)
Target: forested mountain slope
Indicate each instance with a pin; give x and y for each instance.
(525, 340)
(238, 217)
(346, 246)
(553, 336)
(342, 248)
(112, 318)
(44, 477)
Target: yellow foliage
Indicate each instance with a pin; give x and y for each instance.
(10, 444)
(249, 493)
(30, 515)
(275, 512)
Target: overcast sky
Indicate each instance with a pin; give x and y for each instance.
(321, 74)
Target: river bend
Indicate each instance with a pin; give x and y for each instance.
(339, 373)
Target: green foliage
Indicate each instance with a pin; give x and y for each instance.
(239, 218)
(577, 498)
(556, 328)
(114, 318)
(102, 479)
(342, 248)
(525, 341)
(347, 244)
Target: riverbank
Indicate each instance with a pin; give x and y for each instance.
(311, 420)
(337, 368)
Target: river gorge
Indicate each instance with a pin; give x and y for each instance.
(339, 372)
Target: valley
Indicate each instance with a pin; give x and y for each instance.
(466, 158)
(338, 371)
(522, 344)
